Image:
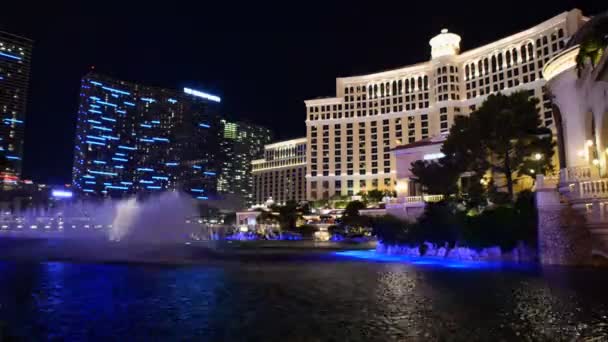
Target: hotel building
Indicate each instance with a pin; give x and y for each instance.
(15, 61)
(350, 136)
(241, 143)
(132, 138)
(280, 176)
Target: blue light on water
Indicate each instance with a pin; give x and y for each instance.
(108, 184)
(172, 101)
(116, 91)
(109, 137)
(95, 143)
(127, 183)
(155, 122)
(88, 176)
(94, 98)
(119, 167)
(17, 58)
(120, 154)
(94, 106)
(372, 255)
(121, 111)
(95, 137)
(90, 182)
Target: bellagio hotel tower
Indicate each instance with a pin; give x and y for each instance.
(350, 136)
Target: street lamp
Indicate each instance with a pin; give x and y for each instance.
(538, 156)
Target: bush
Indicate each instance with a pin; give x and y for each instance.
(390, 230)
(307, 231)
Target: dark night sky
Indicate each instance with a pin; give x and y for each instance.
(263, 60)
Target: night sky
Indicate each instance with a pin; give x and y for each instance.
(263, 60)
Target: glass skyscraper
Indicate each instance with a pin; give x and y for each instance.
(15, 58)
(241, 143)
(132, 138)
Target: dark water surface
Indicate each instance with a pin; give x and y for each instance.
(324, 298)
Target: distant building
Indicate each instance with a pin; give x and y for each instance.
(350, 135)
(280, 176)
(132, 138)
(240, 144)
(15, 64)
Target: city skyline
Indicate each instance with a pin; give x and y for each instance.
(231, 61)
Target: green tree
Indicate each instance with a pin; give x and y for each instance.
(375, 196)
(503, 136)
(288, 215)
(592, 49)
(351, 215)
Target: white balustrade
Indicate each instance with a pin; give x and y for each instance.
(578, 173)
(594, 188)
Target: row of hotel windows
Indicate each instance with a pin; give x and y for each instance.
(388, 182)
(280, 185)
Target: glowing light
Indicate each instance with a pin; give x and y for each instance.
(94, 121)
(146, 182)
(160, 177)
(127, 147)
(209, 173)
(119, 167)
(88, 176)
(121, 111)
(62, 193)
(538, 156)
(145, 169)
(204, 125)
(14, 120)
(127, 183)
(90, 182)
(95, 111)
(161, 139)
(108, 119)
(147, 99)
(532, 171)
(129, 104)
(117, 187)
(432, 156)
(13, 158)
(153, 187)
(581, 153)
(197, 167)
(197, 190)
(202, 95)
(106, 103)
(103, 173)
(101, 128)
(109, 137)
(120, 159)
(155, 122)
(146, 140)
(116, 91)
(99, 162)
(146, 125)
(172, 101)
(202, 197)
(596, 162)
(589, 143)
(88, 190)
(172, 164)
(10, 56)
(95, 83)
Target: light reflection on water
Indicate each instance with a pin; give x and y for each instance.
(328, 298)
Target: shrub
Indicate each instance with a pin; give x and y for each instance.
(390, 230)
(306, 230)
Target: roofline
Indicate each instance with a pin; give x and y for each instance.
(286, 142)
(17, 36)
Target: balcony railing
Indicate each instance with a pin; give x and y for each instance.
(594, 188)
(578, 173)
(416, 199)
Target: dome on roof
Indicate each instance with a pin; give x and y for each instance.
(445, 44)
(595, 27)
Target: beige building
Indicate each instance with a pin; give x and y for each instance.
(280, 176)
(350, 136)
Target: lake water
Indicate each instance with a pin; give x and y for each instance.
(317, 297)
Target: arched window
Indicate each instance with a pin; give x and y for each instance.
(514, 56)
(419, 82)
(413, 84)
(438, 71)
(545, 40)
(394, 88)
(560, 33)
(426, 82)
(530, 51)
(400, 86)
(382, 89)
(508, 58)
(369, 91)
(538, 43)
(486, 65)
(480, 68)
(388, 88)
(500, 61)
(444, 70)
(493, 63)
(375, 90)
(466, 72)
(407, 86)
(472, 70)
(352, 90)
(524, 56)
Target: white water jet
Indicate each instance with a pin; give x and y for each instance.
(126, 213)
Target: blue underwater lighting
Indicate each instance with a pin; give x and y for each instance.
(99, 162)
(155, 122)
(120, 154)
(127, 183)
(90, 182)
(4, 54)
(119, 167)
(147, 99)
(88, 176)
(121, 111)
(143, 181)
(146, 140)
(109, 137)
(94, 106)
(372, 255)
(94, 98)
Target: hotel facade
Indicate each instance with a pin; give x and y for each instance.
(281, 175)
(350, 137)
